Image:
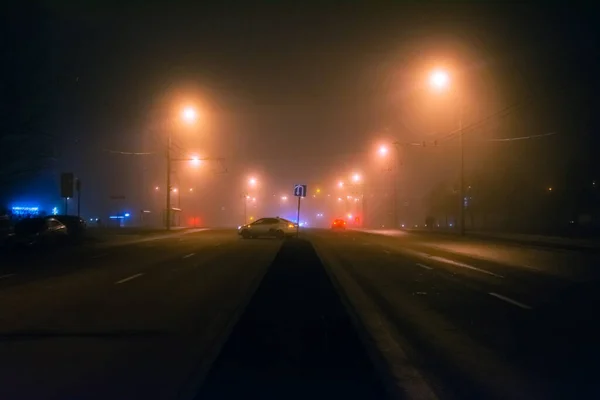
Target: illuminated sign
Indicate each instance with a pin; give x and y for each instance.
(22, 210)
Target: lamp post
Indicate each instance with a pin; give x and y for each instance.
(188, 116)
(440, 79)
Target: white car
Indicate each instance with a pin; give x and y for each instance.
(274, 227)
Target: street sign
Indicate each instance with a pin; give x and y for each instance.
(300, 190)
(66, 184)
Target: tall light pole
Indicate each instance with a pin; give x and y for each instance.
(188, 115)
(440, 79)
(252, 182)
(384, 152)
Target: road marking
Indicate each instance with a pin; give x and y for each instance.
(128, 279)
(100, 255)
(189, 255)
(366, 244)
(387, 252)
(217, 245)
(511, 301)
(424, 266)
(463, 265)
(6, 276)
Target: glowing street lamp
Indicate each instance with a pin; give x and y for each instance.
(189, 115)
(356, 178)
(252, 182)
(439, 79)
(195, 161)
(191, 189)
(383, 150)
(156, 188)
(340, 184)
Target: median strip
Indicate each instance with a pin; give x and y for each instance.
(128, 279)
(511, 301)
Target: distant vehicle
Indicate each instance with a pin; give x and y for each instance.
(38, 232)
(76, 226)
(338, 224)
(273, 227)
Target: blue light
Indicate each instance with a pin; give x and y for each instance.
(127, 214)
(55, 211)
(23, 210)
(116, 217)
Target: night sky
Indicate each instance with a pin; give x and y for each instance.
(289, 92)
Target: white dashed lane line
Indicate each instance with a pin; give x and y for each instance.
(511, 301)
(189, 255)
(463, 265)
(424, 266)
(129, 278)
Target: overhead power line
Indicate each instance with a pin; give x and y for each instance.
(130, 153)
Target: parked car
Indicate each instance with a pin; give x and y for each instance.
(38, 232)
(273, 227)
(338, 224)
(76, 226)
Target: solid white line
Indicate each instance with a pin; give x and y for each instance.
(6, 276)
(130, 278)
(511, 301)
(100, 255)
(189, 255)
(424, 266)
(459, 264)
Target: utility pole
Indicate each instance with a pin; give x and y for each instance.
(78, 187)
(395, 174)
(298, 218)
(168, 214)
(462, 171)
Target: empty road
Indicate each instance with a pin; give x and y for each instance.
(205, 314)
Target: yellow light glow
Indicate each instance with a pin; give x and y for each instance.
(189, 115)
(439, 79)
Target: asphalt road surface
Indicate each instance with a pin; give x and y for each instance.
(333, 314)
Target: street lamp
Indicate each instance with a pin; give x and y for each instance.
(383, 152)
(188, 116)
(356, 178)
(252, 182)
(440, 79)
(195, 161)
